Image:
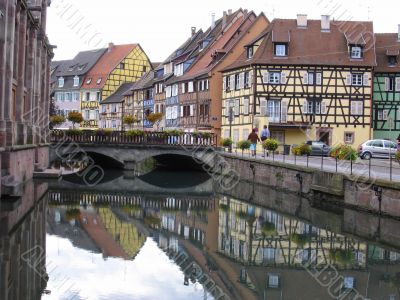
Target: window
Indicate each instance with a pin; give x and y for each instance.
(273, 281)
(98, 96)
(178, 70)
(68, 96)
(355, 52)
(61, 82)
(349, 137)
(144, 69)
(246, 79)
(237, 81)
(76, 80)
(175, 90)
(227, 83)
(274, 111)
(87, 98)
(237, 107)
(75, 96)
(250, 53)
(122, 66)
(98, 81)
(89, 80)
(190, 87)
(59, 96)
(114, 108)
(246, 106)
(392, 60)
(280, 50)
(169, 91)
(382, 114)
(274, 77)
(114, 124)
(183, 89)
(279, 136)
(104, 109)
(390, 83)
(314, 107)
(357, 79)
(389, 144)
(356, 108)
(87, 114)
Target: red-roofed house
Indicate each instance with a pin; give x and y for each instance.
(119, 64)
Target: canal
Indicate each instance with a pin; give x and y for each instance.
(171, 235)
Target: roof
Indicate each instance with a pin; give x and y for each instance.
(311, 46)
(143, 82)
(223, 44)
(119, 94)
(107, 63)
(386, 44)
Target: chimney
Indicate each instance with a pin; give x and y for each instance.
(110, 46)
(212, 20)
(325, 23)
(229, 12)
(193, 31)
(245, 12)
(301, 20)
(224, 19)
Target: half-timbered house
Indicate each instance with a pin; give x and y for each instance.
(386, 96)
(305, 80)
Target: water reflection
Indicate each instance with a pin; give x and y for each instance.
(112, 242)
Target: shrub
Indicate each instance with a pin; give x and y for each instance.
(206, 135)
(173, 132)
(75, 117)
(73, 131)
(344, 152)
(271, 144)
(129, 120)
(134, 132)
(57, 120)
(302, 149)
(244, 145)
(154, 117)
(226, 142)
(104, 132)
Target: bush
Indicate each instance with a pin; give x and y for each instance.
(75, 117)
(104, 132)
(244, 145)
(129, 120)
(173, 132)
(206, 135)
(226, 142)
(134, 132)
(344, 152)
(271, 144)
(70, 132)
(57, 120)
(154, 117)
(302, 149)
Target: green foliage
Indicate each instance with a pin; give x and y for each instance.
(173, 132)
(268, 229)
(244, 145)
(154, 117)
(129, 120)
(271, 144)
(206, 135)
(71, 132)
(75, 117)
(226, 142)
(344, 152)
(57, 120)
(299, 239)
(341, 256)
(104, 132)
(134, 132)
(302, 149)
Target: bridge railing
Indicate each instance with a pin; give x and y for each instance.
(142, 138)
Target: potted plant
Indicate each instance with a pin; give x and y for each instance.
(154, 118)
(270, 145)
(244, 145)
(75, 117)
(301, 150)
(227, 143)
(57, 120)
(134, 132)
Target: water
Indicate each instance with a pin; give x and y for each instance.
(167, 235)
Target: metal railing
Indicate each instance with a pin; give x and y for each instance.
(142, 138)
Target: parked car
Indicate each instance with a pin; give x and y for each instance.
(377, 148)
(319, 148)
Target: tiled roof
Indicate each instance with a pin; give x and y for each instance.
(311, 46)
(142, 83)
(107, 63)
(386, 44)
(118, 96)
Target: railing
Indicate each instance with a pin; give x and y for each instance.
(142, 138)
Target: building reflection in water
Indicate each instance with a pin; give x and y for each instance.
(23, 274)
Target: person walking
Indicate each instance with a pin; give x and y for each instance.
(265, 134)
(253, 138)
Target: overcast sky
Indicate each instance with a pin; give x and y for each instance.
(161, 26)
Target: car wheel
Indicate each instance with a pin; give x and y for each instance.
(366, 156)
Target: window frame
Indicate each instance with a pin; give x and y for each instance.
(277, 80)
(356, 50)
(280, 46)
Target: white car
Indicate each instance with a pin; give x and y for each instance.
(377, 149)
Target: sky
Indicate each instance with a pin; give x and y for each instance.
(161, 26)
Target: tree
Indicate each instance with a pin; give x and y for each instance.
(75, 117)
(129, 120)
(154, 118)
(57, 120)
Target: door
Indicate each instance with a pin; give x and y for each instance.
(324, 137)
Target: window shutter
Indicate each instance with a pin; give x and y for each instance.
(305, 107)
(365, 79)
(250, 78)
(353, 108)
(237, 107)
(397, 84)
(323, 107)
(181, 111)
(191, 110)
(224, 83)
(284, 111)
(305, 78)
(283, 78)
(348, 79)
(385, 114)
(319, 78)
(183, 88)
(263, 107)
(232, 85)
(387, 84)
(265, 77)
(246, 106)
(241, 80)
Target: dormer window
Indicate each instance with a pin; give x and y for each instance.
(178, 70)
(99, 80)
(76, 80)
(89, 81)
(61, 82)
(392, 60)
(280, 50)
(355, 52)
(250, 52)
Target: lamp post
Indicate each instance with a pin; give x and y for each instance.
(230, 118)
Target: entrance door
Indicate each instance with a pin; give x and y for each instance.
(325, 136)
